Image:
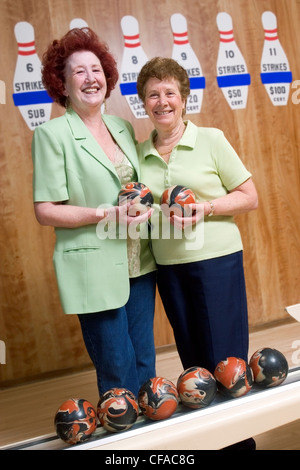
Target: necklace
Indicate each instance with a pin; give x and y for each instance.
(164, 154)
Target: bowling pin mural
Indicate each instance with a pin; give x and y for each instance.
(78, 23)
(275, 70)
(29, 95)
(133, 60)
(232, 74)
(186, 57)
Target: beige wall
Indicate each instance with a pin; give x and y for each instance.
(38, 337)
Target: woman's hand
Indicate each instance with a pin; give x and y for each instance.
(127, 214)
(141, 218)
(240, 200)
(194, 213)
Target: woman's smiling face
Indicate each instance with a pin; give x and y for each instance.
(163, 102)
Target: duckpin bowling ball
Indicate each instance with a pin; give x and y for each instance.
(197, 387)
(75, 420)
(117, 409)
(158, 398)
(234, 377)
(270, 367)
(173, 200)
(139, 194)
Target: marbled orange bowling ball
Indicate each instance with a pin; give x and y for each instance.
(234, 377)
(75, 420)
(158, 398)
(139, 194)
(197, 387)
(174, 199)
(117, 409)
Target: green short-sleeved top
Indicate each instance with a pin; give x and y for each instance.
(205, 162)
(70, 166)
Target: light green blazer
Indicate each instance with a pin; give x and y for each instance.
(70, 166)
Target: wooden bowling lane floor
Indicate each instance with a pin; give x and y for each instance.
(27, 411)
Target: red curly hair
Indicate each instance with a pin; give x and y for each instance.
(54, 61)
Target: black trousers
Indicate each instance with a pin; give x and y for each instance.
(206, 304)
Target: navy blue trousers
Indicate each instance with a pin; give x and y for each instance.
(206, 304)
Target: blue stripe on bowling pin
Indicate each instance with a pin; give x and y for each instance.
(275, 70)
(133, 60)
(232, 74)
(186, 57)
(29, 94)
(31, 97)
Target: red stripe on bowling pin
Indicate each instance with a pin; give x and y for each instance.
(271, 34)
(178, 36)
(26, 48)
(226, 33)
(135, 41)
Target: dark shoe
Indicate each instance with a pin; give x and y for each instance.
(247, 444)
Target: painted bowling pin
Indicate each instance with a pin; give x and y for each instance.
(133, 60)
(29, 94)
(78, 23)
(275, 70)
(232, 74)
(186, 57)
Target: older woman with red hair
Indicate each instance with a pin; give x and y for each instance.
(81, 160)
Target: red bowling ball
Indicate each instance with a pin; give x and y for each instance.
(158, 398)
(269, 366)
(197, 387)
(174, 199)
(139, 194)
(234, 377)
(75, 420)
